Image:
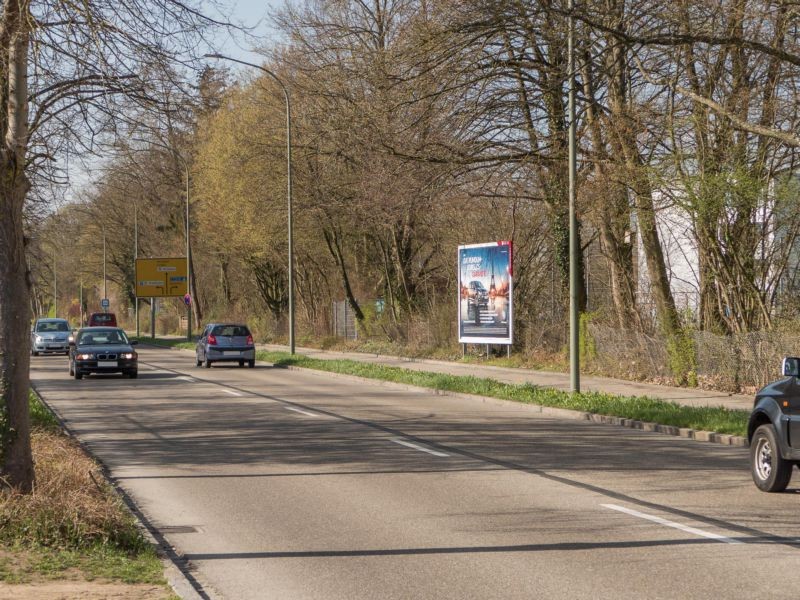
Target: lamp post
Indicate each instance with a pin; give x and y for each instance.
(135, 258)
(574, 348)
(185, 166)
(105, 281)
(288, 182)
(55, 284)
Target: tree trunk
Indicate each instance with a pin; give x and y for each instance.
(15, 442)
(197, 312)
(334, 246)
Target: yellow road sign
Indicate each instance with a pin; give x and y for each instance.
(159, 277)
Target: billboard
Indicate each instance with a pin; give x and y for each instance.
(161, 277)
(485, 307)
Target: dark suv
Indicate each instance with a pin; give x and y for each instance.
(774, 430)
(477, 300)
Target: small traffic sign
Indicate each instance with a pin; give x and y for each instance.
(187, 299)
(105, 303)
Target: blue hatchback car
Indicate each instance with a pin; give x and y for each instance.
(225, 342)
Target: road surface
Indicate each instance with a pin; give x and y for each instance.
(273, 483)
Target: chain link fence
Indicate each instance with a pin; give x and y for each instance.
(736, 363)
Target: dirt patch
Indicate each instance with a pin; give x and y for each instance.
(85, 590)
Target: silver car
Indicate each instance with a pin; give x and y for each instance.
(225, 342)
(50, 336)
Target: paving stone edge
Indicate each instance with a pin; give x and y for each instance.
(564, 413)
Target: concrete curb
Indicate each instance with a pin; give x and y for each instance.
(176, 571)
(563, 413)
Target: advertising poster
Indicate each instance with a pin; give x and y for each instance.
(485, 293)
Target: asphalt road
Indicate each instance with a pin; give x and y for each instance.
(285, 484)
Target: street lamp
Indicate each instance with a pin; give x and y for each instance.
(135, 258)
(105, 280)
(185, 166)
(288, 183)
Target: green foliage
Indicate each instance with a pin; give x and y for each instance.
(41, 416)
(682, 353)
(719, 419)
(588, 348)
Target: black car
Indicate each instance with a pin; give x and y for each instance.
(774, 430)
(102, 350)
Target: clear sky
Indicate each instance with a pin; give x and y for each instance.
(252, 14)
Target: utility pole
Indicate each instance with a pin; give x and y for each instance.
(188, 261)
(55, 284)
(135, 257)
(105, 281)
(574, 340)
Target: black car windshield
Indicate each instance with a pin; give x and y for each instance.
(230, 330)
(99, 337)
(48, 326)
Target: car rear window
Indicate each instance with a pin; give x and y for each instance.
(231, 330)
(52, 326)
(102, 318)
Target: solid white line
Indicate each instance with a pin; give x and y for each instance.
(297, 410)
(420, 448)
(232, 393)
(187, 378)
(660, 521)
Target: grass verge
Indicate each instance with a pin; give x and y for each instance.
(718, 419)
(166, 342)
(73, 525)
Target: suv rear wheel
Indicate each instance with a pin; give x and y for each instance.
(771, 472)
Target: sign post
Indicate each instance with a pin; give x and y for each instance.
(161, 277)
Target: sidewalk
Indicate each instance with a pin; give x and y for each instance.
(560, 381)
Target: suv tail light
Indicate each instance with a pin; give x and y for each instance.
(212, 339)
(249, 340)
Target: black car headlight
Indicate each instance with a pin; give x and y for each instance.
(85, 356)
(128, 355)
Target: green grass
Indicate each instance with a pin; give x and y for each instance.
(97, 562)
(74, 522)
(40, 414)
(718, 419)
(167, 343)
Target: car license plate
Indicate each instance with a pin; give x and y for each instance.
(230, 353)
(54, 346)
(106, 363)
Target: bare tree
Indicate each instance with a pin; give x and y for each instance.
(62, 68)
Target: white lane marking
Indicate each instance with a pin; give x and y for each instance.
(232, 393)
(187, 378)
(418, 447)
(304, 412)
(660, 521)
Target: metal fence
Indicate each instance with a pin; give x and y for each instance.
(734, 363)
(344, 321)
